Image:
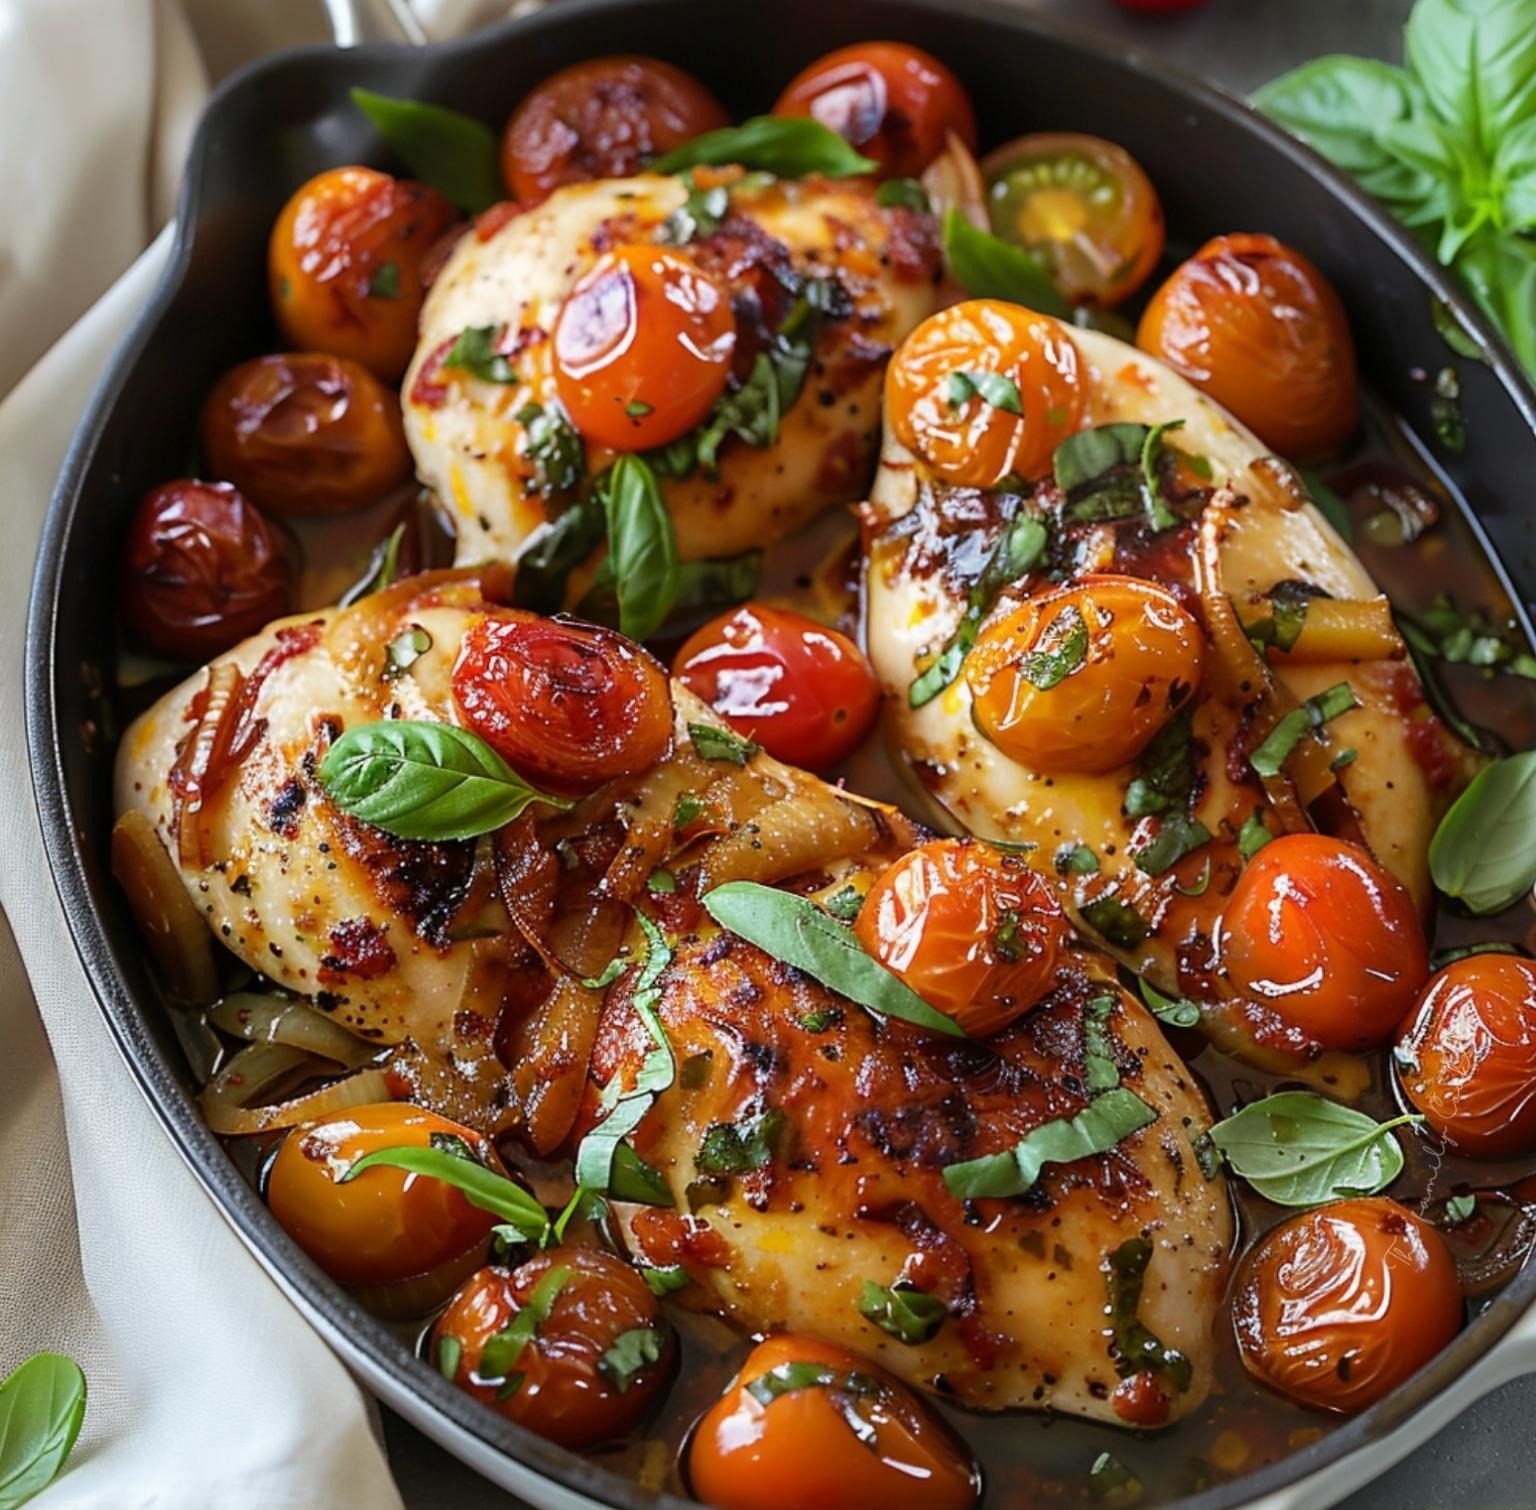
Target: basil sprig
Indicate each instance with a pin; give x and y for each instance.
(631, 1354)
(988, 267)
(1484, 851)
(455, 153)
(1270, 757)
(498, 1358)
(642, 545)
(1062, 648)
(795, 930)
(908, 1314)
(1297, 1149)
(786, 146)
(42, 1405)
(1136, 1347)
(713, 743)
(1111, 472)
(425, 781)
(476, 351)
(479, 1185)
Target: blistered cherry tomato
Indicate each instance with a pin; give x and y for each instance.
(1255, 325)
(971, 930)
(1028, 400)
(895, 103)
(806, 1424)
(203, 568)
(569, 705)
(1084, 206)
(586, 1374)
(344, 265)
(1338, 1307)
(385, 1225)
(605, 118)
(643, 348)
(1320, 934)
(805, 693)
(1080, 678)
(305, 433)
(1467, 1056)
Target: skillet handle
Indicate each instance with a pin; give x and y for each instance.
(356, 22)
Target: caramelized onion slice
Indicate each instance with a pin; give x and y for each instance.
(286, 1020)
(178, 938)
(231, 1104)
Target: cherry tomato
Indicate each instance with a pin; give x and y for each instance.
(605, 118)
(896, 104)
(344, 265)
(1084, 206)
(1467, 1055)
(570, 705)
(385, 1225)
(305, 434)
(972, 931)
(1326, 938)
(584, 1375)
(643, 347)
(1338, 1307)
(1255, 325)
(203, 568)
(806, 1424)
(1080, 678)
(804, 692)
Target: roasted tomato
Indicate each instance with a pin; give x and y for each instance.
(985, 390)
(1080, 678)
(571, 1345)
(804, 692)
(1255, 325)
(605, 118)
(344, 265)
(202, 569)
(570, 705)
(807, 1424)
(1338, 1307)
(896, 104)
(972, 931)
(643, 347)
(1467, 1056)
(385, 1226)
(1084, 206)
(305, 433)
(1325, 938)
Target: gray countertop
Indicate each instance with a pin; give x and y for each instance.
(1484, 1460)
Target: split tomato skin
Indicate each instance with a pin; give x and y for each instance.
(806, 693)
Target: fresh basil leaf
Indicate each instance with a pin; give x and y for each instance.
(1063, 647)
(479, 1186)
(553, 446)
(1253, 835)
(1176, 837)
(729, 1149)
(1176, 1012)
(795, 930)
(544, 568)
(1090, 455)
(476, 352)
(385, 282)
(1100, 1072)
(383, 565)
(1287, 618)
(786, 146)
(454, 153)
(719, 581)
(908, 1314)
(634, 1180)
(1484, 851)
(666, 1280)
(42, 1405)
(584, 1206)
(751, 413)
(450, 1352)
(1296, 1149)
(501, 1352)
(610, 973)
(1099, 1127)
(425, 781)
(1115, 921)
(713, 743)
(661, 883)
(988, 267)
(907, 193)
(698, 215)
(1165, 773)
(1200, 886)
(405, 650)
(788, 1378)
(1159, 514)
(994, 388)
(642, 545)
(631, 1354)
(1459, 1209)
(1136, 1348)
(1077, 860)
(844, 905)
(1443, 957)
(1270, 757)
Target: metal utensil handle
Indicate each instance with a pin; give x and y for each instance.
(354, 22)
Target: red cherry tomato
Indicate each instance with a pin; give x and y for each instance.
(568, 705)
(1323, 936)
(804, 692)
(643, 347)
(972, 931)
(896, 104)
(1467, 1056)
(605, 118)
(1338, 1307)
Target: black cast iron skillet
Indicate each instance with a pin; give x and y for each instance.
(1217, 167)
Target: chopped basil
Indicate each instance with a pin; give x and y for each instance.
(385, 283)
(1136, 1348)
(844, 905)
(1345, 757)
(786, 146)
(787, 1378)
(637, 408)
(698, 215)
(1110, 472)
(905, 1312)
(714, 743)
(632, 1353)
(1200, 887)
(1471, 639)
(553, 447)
(1176, 837)
(730, 1149)
(688, 807)
(666, 1280)
(480, 1186)
(821, 1019)
(661, 882)
(456, 154)
(546, 563)
(476, 352)
(383, 565)
(988, 267)
(1116, 922)
(994, 388)
(1459, 1209)
(405, 650)
(501, 1352)
(1062, 649)
(1483, 853)
(1158, 512)
(1077, 860)
(452, 1143)
(449, 1353)
(1446, 414)
(610, 973)
(584, 1206)
(751, 413)
(1270, 757)
(1253, 836)
(905, 193)
(1328, 503)
(1166, 771)
(635, 1180)
(1287, 618)
(1176, 1012)
(1100, 1072)
(1089, 456)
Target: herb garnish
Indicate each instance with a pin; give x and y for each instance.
(405, 650)
(1111, 472)
(553, 447)
(994, 388)
(905, 1312)
(714, 743)
(385, 282)
(907, 193)
(1253, 835)
(988, 267)
(498, 1358)
(1472, 639)
(731, 1149)
(785, 146)
(1176, 837)
(1061, 649)
(1115, 921)
(454, 153)
(1483, 853)
(382, 567)
(1136, 1348)
(479, 1185)
(1270, 757)
(1100, 1072)
(632, 1353)
(1459, 1209)
(698, 215)
(477, 353)
(1176, 1012)
(642, 546)
(42, 1406)
(1165, 775)
(666, 1280)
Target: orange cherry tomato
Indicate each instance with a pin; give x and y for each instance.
(568, 705)
(305, 433)
(1327, 939)
(1255, 325)
(1467, 1055)
(344, 265)
(605, 118)
(965, 434)
(896, 104)
(1080, 678)
(806, 1425)
(386, 1225)
(1337, 1307)
(805, 693)
(643, 347)
(1084, 206)
(583, 1376)
(972, 931)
